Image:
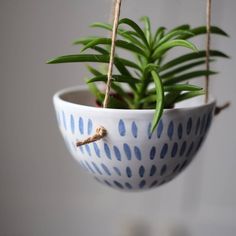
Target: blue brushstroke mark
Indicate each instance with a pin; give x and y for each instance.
(164, 151)
(189, 126)
(134, 129)
(119, 185)
(106, 182)
(106, 169)
(176, 168)
(89, 167)
(190, 149)
(183, 148)
(142, 183)
(137, 153)
(170, 130)
(121, 127)
(154, 183)
(127, 151)
(128, 172)
(117, 153)
(96, 168)
(149, 131)
(141, 171)
(128, 185)
(203, 124)
(88, 149)
(90, 127)
(174, 150)
(180, 131)
(64, 120)
(152, 153)
(96, 149)
(107, 150)
(160, 128)
(197, 126)
(163, 170)
(153, 170)
(72, 124)
(116, 169)
(81, 125)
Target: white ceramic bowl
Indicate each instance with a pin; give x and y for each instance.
(130, 157)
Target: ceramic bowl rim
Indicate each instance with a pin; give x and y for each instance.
(57, 98)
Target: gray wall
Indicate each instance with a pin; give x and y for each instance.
(42, 189)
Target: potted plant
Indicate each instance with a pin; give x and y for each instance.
(147, 140)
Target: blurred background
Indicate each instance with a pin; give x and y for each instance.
(43, 191)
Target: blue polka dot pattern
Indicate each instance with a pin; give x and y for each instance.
(152, 152)
(170, 130)
(107, 151)
(81, 125)
(189, 125)
(134, 129)
(141, 171)
(159, 128)
(180, 131)
(121, 128)
(137, 153)
(96, 149)
(72, 124)
(117, 153)
(90, 127)
(174, 150)
(164, 151)
(106, 169)
(129, 172)
(127, 151)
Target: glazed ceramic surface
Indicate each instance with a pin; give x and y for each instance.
(130, 157)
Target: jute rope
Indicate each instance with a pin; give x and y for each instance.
(101, 131)
(111, 62)
(208, 44)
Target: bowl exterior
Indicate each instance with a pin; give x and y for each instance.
(130, 157)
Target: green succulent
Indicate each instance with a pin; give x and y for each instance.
(152, 80)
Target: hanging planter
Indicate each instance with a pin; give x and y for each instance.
(130, 156)
(139, 139)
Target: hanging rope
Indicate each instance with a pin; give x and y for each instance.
(111, 62)
(208, 44)
(101, 131)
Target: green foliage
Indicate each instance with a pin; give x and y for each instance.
(155, 81)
